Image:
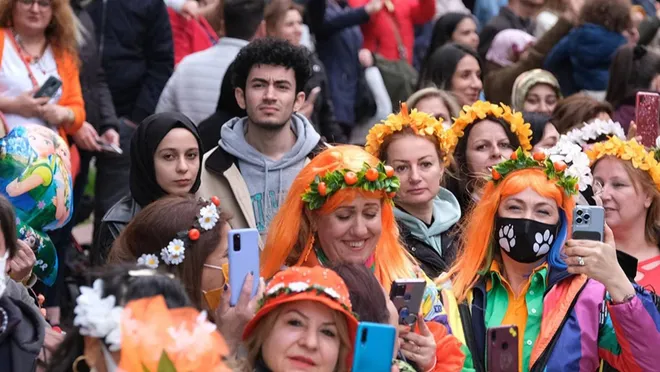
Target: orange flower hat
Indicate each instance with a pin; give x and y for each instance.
(153, 337)
(306, 284)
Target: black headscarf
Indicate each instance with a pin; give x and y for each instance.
(145, 141)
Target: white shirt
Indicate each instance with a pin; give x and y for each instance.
(15, 80)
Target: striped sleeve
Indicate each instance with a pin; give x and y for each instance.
(629, 339)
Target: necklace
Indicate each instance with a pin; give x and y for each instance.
(29, 58)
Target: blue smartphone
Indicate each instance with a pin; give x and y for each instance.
(243, 260)
(374, 347)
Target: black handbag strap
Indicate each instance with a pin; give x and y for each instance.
(468, 331)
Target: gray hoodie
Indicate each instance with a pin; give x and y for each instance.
(268, 180)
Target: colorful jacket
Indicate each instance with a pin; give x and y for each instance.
(576, 333)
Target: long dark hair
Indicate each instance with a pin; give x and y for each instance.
(8, 226)
(126, 283)
(632, 69)
(441, 66)
(155, 226)
(442, 32)
(367, 297)
(459, 180)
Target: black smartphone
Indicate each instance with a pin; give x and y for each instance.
(109, 147)
(49, 88)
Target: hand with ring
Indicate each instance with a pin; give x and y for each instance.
(598, 261)
(419, 348)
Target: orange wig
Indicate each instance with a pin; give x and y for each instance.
(291, 233)
(476, 253)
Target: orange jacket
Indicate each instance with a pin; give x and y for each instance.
(67, 67)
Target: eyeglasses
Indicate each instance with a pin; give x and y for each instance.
(41, 3)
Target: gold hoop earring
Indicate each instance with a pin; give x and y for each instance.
(77, 361)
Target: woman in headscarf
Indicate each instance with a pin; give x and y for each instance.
(166, 156)
(535, 91)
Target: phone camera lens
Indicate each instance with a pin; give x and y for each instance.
(586, 217)
(578, 220)
(579, 212)
(237, 243)
(364, 335)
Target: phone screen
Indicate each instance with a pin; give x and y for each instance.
(647, 117)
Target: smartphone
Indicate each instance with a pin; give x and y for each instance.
(109, 147)
(502, 349)
(374, 347)
(243, 260)
(647, 117)
(407, 295)
(588, 223)
(49, 88)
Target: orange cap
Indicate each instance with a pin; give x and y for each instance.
(306, 284)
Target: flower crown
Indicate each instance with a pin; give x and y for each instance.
(480, 110)
(628, 150)
(174, 252)
(282, 289)
(593, 130)
(421, 123)
(98, 316)
(554, 170)
(378, 178)
(578, 162)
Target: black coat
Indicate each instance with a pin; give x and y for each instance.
(96, 94)
(135, 43)
(429, 260)
(113, 223)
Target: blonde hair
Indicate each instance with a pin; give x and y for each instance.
(446, 97)
(255, 341)
(60, 33)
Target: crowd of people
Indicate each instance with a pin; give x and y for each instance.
(365, 143)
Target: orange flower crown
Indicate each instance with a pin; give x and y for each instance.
(480, 110)
(421, 123)
(630, 151)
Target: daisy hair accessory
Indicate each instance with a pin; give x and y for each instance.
(482, 110)
(316, 284)
(378, 178)
(175, 251)
(98, 316)
(421, 123)
(155, 338)
(577, 161)
(553, 170)
(595, 130)
(631, 151)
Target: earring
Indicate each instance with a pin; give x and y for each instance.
(77, 361)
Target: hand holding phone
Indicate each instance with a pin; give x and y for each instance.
(243, 260)
(407, 295)
(109, 147)
(647, 117)
(588, 223)
(49, 88)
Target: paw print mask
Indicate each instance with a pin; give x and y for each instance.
(524, 240)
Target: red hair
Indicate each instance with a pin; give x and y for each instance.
(291, 233)
(476, 252)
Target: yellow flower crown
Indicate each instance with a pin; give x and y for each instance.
(627, 150)
(421, 123)
(480, 110)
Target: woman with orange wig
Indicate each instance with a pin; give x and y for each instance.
(339, 210)
(563, 299)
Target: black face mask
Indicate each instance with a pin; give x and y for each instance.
(524, 240)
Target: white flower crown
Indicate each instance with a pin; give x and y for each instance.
(98, 316)
(175, 251)
(578, 162)
(594, 129)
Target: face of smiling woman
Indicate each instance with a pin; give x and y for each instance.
(350, 232)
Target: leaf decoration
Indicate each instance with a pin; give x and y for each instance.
(337, 180)
(165, 364)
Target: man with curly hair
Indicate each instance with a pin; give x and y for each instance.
(258, 156)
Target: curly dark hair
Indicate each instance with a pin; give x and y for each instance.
(614, 15)
(273, 52)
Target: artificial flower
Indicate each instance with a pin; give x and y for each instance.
(148, 260)
(298, 286)
(208, 217)
(578, 162)
(97, 316)
(595, 129)
(331, 292)
(176, 259)
(630, 151)
(176, 247)
(275, 289)
(165, 256)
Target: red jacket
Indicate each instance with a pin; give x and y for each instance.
(190, 35)
(379, 36)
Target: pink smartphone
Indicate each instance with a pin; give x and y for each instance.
(647, 117)
(502, 348)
